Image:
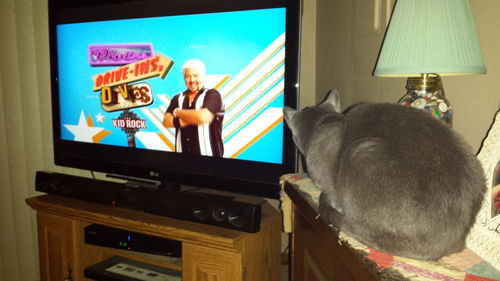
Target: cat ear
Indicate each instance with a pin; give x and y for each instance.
(333, 99)
(289, 112)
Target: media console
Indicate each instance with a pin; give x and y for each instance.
(242, 213)
(208, 252)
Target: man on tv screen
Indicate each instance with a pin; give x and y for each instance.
(197, 114)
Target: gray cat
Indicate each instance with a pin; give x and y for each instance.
(394, 177)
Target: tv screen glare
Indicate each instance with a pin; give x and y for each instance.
(117, 65)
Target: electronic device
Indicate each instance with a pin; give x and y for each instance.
(239, 213)
(111, 237)
(115, 66)
(118, 268)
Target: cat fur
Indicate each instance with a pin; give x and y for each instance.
(394, 177)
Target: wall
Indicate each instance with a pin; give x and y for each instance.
(349, 36)
(308, 59)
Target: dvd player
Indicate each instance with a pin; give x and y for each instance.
(106, 236)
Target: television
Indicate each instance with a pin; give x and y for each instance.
(117, 65)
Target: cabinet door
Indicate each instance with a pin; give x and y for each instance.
(207, 264)
(55, 242)
(313, 259)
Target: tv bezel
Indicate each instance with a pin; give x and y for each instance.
(238, 176)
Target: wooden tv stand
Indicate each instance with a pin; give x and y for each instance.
(208, 252)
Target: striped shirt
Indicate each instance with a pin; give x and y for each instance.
(204, 139)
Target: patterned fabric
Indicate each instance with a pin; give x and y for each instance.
(462, 266)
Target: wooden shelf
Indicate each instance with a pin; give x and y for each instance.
(317, 253)
(208, 252)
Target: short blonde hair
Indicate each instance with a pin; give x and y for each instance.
(194, 63)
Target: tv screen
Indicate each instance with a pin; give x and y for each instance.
(189, 93)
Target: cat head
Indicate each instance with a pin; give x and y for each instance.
(305, 123)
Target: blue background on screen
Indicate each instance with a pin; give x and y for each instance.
(225, 42)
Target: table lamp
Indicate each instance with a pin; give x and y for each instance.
(427, 39)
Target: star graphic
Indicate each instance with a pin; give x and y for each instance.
(83, 132)
(99, 118)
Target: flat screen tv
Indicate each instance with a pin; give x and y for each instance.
(116, 66)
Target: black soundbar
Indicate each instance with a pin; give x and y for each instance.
(227, 212)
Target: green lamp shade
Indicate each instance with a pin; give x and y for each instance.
(430, 36)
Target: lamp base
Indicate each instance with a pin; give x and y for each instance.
(426, 92)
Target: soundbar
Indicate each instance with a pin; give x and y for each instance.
(222, 211)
